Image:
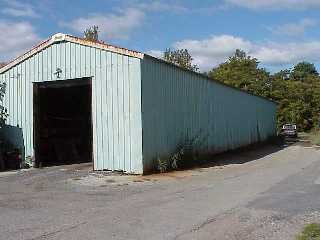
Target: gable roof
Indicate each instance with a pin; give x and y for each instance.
(60, 37)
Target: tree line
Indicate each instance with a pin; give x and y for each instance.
(296, 90)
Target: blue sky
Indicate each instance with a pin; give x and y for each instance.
(279, 33)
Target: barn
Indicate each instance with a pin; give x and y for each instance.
(77, 101)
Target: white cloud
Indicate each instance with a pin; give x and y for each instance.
(158, 6)
(18, 9)
(295, 29)
(111, 26)
(275, 4)
(18, 37)
(287, 53)
(155, 53)
(120, 24)
(214, 50)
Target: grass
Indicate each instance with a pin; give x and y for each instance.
(310, 232)
(315, 137)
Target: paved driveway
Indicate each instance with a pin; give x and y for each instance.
(267, 193)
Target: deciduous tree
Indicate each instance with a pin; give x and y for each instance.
(181, 58)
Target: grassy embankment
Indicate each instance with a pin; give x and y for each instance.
(310, 232)
(315, 137)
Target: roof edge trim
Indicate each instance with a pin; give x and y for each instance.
(60, 37)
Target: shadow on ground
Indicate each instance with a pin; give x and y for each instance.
(252, 153)
(242, 156)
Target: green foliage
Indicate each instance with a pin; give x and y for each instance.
(299, 99)
(185, 155)
(171, 163)
(3, 110)
(315, 137)
(92, 34)
(296, 91)
(180, 57)
(163, 164)
(242, 71)
(310, 232)
(303, 70)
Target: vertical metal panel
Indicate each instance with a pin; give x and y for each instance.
(116, 97)
(177, 104)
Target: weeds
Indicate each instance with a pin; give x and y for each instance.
(310, 232)
(186, 154)
(315, 137)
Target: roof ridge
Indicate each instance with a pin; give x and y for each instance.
(60, 37)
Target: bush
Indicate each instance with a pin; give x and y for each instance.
(310, 232)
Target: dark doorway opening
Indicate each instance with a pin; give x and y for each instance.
(62, 122)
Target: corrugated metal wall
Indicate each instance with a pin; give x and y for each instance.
(117, 138)
(177, 103)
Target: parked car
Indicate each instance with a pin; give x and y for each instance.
(289, 130)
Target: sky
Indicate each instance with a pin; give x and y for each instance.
(279, 33)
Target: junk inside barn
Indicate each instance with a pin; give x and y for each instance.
(62, 117)
(82, 101)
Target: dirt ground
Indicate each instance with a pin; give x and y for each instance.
(265, 193)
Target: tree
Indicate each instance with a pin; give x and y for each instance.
(242, 71)
(297, 92)
(302, 70)
(181, 58)
(92, 34)
(298, 95)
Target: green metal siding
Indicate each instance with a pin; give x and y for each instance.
(116, 96)
(178, 103)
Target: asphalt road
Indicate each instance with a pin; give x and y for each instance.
(267, 193)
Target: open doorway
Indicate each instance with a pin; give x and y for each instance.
(62, 122)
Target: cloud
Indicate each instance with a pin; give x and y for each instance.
(120, 24)
(295, 29)
(275, 4)
(287, 53)
(111, 26)
(155, 53)
(17, 38)
(177, 8)
(216, 49)
(18, 9)
(159, 6)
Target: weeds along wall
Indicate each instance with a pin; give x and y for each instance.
(177, 104)
(116, 99)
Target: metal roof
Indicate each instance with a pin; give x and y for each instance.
(60, 37)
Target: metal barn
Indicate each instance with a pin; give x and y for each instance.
(77, 100)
